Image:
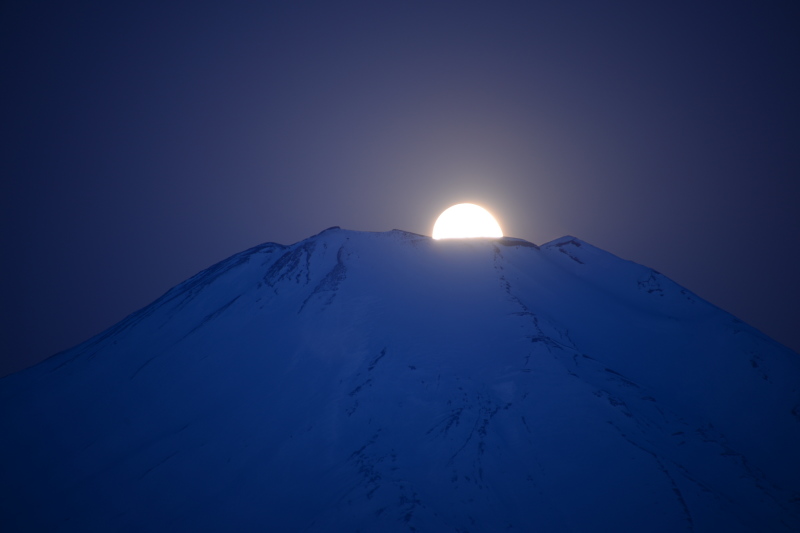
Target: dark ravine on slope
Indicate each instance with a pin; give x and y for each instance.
(387, 382)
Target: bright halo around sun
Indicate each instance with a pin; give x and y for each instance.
(465, 221)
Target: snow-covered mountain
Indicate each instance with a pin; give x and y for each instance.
(370, 382)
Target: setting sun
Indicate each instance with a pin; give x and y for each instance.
(463, 221)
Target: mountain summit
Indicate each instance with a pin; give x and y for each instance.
(369, 382)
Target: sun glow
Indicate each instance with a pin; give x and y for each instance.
(464, 221)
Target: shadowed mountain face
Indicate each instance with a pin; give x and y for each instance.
(388, 382)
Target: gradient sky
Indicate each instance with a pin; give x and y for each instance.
(141, 144)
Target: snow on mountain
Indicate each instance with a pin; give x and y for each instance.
(387, 382)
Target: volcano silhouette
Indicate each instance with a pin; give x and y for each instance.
(370, 382)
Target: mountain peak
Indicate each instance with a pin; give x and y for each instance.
(566, 239)
(387, 381)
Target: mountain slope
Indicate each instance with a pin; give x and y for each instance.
(388, 382)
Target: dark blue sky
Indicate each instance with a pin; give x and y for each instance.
(142, 144)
